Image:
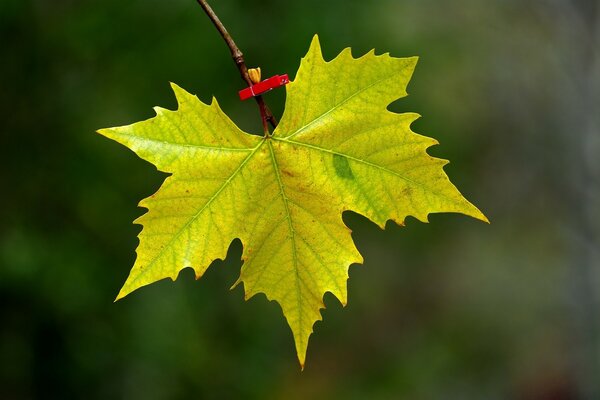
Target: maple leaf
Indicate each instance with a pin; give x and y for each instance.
(336, 148)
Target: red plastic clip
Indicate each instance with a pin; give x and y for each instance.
(264, 86)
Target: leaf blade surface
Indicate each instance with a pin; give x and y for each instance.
(337, 148)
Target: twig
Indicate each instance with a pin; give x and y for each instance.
(238, 57)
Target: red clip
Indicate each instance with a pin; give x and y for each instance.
(264, 86)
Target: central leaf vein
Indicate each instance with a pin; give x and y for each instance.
(291, 229)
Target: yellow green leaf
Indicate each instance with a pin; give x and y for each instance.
(336, 148)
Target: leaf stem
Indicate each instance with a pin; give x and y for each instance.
(238, 57)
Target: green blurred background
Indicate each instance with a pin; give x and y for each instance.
(454, 309)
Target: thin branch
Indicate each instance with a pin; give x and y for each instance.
(238, 57)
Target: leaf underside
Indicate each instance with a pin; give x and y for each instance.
(336, 148)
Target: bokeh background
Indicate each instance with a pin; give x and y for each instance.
(454, 309)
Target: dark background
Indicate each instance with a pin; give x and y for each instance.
(454, 309)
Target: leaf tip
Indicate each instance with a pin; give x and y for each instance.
(302, 359)
(315, 39)
(181, 94)
(104, 132)
(174, 86)
(410, 62)
(346, 52)
(159, 110)
(480, 216)
(122, 293)
(343, 301)
(315, 47)
(235, 284)
(472, 211)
